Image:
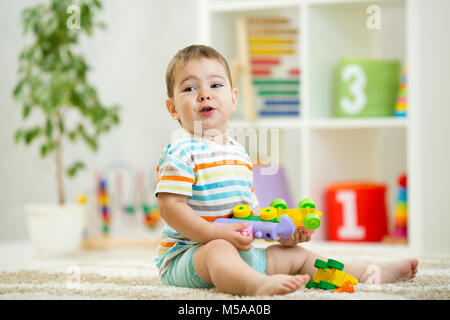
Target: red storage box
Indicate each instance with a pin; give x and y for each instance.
(356, 211)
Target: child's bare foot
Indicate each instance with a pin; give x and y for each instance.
(391, 272)
(280, 284)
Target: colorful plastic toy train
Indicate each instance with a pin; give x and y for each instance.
(277, 220)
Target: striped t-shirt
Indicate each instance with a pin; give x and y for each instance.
(215, 178)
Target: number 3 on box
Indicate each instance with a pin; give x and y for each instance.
(356, 88)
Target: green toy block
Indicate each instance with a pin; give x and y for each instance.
(306, 203)
(367, 88)
(311, 221)
(278, 203)
(320, 264)
(326, 285)
(312, 285)
(335, 264)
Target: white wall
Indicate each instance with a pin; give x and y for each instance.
(429, 50)
(128, 63)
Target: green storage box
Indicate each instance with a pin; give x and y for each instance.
(367, 88)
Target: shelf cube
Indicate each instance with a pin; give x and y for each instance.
(356, 212)
(367, 88)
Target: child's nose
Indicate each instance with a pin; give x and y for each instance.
(204, 95)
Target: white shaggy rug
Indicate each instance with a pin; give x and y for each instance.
(131, 274)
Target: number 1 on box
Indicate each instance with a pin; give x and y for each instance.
(350, 230)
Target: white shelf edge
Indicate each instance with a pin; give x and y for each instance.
(335, 2)
(355, 123)
(233, 5)
(221, 6)
(269, 123)
(334, 123)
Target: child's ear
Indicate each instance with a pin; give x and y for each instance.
(170, 105)
(234, 98)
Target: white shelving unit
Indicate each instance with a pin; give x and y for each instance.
(319, 149)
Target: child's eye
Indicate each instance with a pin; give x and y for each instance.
(217, 85)
(188, 89)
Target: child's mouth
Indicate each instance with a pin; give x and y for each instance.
(206, 111)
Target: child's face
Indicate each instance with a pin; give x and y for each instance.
(202, 92)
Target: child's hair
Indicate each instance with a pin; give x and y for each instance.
(190, 53)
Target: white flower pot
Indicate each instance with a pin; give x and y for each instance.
(55, 230)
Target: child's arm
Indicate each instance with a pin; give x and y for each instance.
(175, 211)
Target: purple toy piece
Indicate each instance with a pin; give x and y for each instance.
(271, 186)
(266, 230)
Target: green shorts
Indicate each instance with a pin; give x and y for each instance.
(181, 272)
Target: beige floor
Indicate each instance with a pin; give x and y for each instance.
(18, 255)
(132, 274)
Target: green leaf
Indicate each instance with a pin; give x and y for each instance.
(44, 150)
(72, 135)
(49, 147)
(18, 135)
(102, 25)
(48, 128)
(31, 134)
(26, 111)
(18, 89)
(87, 138)
(98, 4)
(61, 127)
(73, 169)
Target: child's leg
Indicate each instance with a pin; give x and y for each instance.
(298, 260)
(219, 262)
(290, 260)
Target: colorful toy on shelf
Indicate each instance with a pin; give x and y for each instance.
(82, 199)
(330, 276)
(400, 232)
(268, 59)
(401, 107)
(151, 214)
(103, 204)
(261, 228)
(401, 210)
(305, 217)
(121, 208)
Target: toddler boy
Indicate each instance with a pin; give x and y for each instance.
(202, 175)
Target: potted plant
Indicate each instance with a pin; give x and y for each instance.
(53, 85)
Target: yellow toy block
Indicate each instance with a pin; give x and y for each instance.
(334, 276)
(330, 276)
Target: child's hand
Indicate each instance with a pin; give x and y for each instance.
(229, 232)
(298, 236)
